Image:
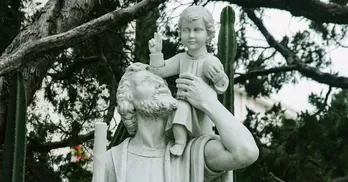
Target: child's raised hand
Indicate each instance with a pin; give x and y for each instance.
(155, 44)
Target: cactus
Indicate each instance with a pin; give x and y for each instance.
(227, 50)
(15, 137)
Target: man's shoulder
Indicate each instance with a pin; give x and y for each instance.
(118, 148)
(113, 160)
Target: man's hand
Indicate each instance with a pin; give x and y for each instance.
(194, 90)
(155, 44)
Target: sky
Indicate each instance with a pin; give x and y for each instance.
(281, 23)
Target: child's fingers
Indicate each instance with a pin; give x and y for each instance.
(151, 43)
(216, 69)
(211, 74)
(157, 37)
(213, 71)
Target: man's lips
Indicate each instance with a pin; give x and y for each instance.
(163, 92)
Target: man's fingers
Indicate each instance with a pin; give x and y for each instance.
(183, 81)
(183, 87)
(182, 94)
(188, 76)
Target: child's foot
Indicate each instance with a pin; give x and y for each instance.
(177, 149)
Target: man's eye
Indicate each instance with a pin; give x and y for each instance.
(185, 30)
(145, 81)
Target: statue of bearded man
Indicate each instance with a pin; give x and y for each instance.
(145, 103)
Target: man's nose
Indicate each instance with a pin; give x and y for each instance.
(161, 85)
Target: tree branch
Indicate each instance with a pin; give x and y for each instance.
(275, 177)
(15, 59)
(324, 104)
(291, 59)
(312, 9)
(254, 73)
(74, 66)
(46, 147)
(340, 179)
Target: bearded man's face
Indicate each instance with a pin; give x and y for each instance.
(151, 95)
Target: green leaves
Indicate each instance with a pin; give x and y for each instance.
(311, 148)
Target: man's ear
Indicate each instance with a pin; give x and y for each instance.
(125, 107)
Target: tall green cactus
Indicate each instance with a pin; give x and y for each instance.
(15, 137)
(227, 50)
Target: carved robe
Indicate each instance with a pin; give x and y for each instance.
(124, 164)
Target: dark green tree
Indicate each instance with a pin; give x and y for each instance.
(312, 148)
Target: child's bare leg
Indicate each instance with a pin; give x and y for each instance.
(180, 136)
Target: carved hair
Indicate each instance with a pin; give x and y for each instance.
(125, 98)
(193, 13)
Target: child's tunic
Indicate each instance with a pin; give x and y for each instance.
(195, 121)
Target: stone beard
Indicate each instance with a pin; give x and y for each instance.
(158, 106)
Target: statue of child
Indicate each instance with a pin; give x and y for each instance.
(196, 29)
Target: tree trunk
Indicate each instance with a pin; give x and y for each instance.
(57, 16)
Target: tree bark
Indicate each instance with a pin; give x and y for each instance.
(34, 50)
(57, 16)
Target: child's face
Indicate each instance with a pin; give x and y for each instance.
(193, 34)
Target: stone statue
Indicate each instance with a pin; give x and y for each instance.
(145, 103)
(196, 29)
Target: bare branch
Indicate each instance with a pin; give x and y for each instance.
(46, 147)
(340, 44)
(75, 65)
(254, 73)
(340, 179)
(14, 60)
(275, 177)
(1, 81)
(312, 9)
(291, 59)
(324, 104)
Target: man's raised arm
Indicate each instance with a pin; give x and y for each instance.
(237, 147)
